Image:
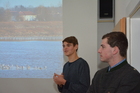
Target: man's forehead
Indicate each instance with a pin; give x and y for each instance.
(65, 43)
(104, 41)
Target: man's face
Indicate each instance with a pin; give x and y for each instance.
(105, 51)
(69, 48)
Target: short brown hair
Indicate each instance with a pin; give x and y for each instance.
(117, 39)
(71, 39)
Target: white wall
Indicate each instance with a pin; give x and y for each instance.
(123, 8)
(126, 8)
(135, 45)
(30, 85)
(80, 20)
(131, 7)
(105, 25)
(133, 22)
(103, 28)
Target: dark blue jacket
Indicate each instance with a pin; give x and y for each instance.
(120, 79)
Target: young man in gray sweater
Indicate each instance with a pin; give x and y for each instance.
(76, 76)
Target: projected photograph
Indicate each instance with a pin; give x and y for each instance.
(31, 34)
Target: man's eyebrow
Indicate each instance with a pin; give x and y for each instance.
(66, 44)
(102, 45)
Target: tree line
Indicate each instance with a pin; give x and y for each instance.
(42, 13)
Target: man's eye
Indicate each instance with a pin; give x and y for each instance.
(102, 46)
(69, 45)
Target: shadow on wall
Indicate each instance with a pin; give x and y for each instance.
(55, 87)
(102, 65)
(65, 59)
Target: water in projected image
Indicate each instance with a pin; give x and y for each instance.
(30, 59)
(30, 38)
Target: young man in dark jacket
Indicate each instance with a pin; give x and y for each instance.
(119, 77)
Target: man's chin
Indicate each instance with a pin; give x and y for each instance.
(102, 60)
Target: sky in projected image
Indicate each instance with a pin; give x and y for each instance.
(31, 32)
(33, 3)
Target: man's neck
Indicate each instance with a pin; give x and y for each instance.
(115, 61)
(73, 58)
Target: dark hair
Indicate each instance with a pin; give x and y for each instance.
(117, 39)
(71, 39)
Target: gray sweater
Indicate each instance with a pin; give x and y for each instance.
(121, 79)
(77, 77)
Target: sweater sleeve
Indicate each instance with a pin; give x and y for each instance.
(91, 89)
(60, 88)
(130, 84)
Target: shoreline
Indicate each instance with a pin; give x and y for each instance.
(47, 38)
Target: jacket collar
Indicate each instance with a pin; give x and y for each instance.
(118, 66)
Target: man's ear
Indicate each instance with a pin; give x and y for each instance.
(76, 46)
(115, 50)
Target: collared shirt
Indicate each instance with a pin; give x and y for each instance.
(116, 64)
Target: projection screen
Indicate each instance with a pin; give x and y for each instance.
(31, 32)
